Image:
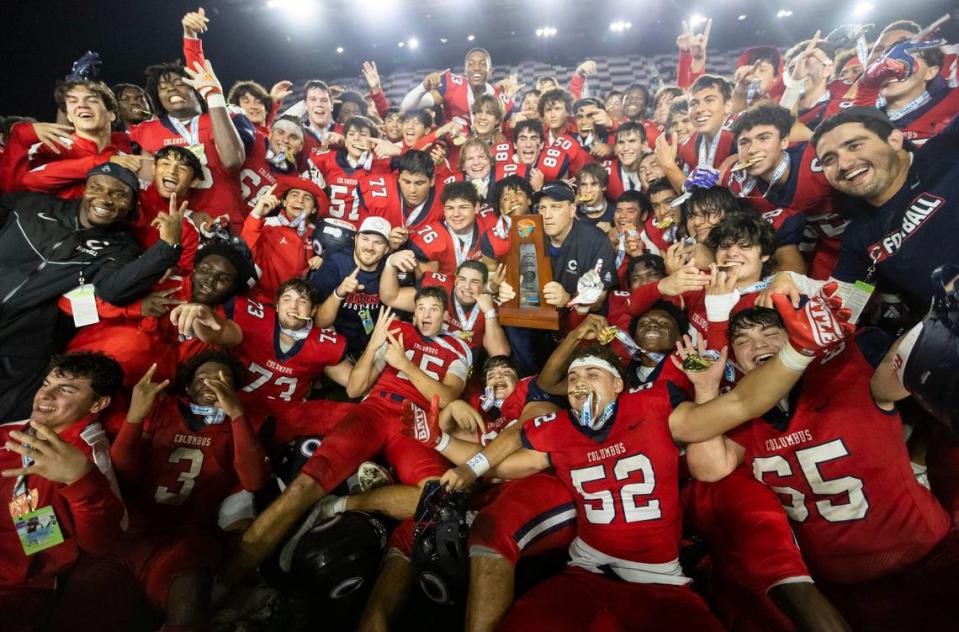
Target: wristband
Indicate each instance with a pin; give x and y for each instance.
(216, 100)
(719, 306)
(479, 464)
(336, 293)
(490, 313)
(444, 442)
(794, 360)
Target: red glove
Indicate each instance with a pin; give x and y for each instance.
(883, 71)
(819, 325)
(422, 425)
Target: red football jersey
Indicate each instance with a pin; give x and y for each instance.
(65, 174)
(435, 356)
(279, 252)
(218, 192)
(470, 325)
(843, 474)
(458, 97)
(562, 158)
(184, 474)
(625, 478)
(151, 205)
(688, 154)
(921, 128)
(271, 373)
(343, 182)
(381, 196)
(257, 175)
(620, 180)
(435, 242)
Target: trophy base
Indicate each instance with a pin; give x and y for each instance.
(530, 317)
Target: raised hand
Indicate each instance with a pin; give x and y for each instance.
(194, 23)
(158, 303)
(225, 396)
(144, 396)
(705, 380)
(820, 324)
(129, 161)
(170, 224)
(53, 458)
(666, 149)
(281, 90)
(371, 75)
(395, 351)
(266, 203)
(432, 81)
(586, 68)
(202, 79)
(689, 278)
(383, 322)
(350, 284)
(185, 316)
(591, 327)
(403, 260)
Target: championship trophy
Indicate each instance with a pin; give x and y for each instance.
(528, 270)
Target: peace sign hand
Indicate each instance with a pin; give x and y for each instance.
(396, 352)
(170, 224)
(53, 458)
(144, 396)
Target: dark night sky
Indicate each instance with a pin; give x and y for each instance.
(40, 39)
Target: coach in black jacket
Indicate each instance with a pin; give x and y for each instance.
(49, 247)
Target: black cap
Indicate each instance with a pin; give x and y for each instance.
(555, 190)
(122, 174)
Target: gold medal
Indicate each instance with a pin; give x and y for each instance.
(742, 165)
(465, 335)
(607, 335)
(695, 362)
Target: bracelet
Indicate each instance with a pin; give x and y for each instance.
(794, 360)
(444, 442)
(490, 313)
(336, 293)
(479, 464)
(216, 100)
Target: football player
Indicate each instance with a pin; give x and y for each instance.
(443, 246)
(591, 192)
(562, 156)
(629, 148)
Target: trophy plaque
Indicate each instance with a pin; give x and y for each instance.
(528, 269)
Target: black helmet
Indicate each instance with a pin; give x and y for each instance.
(440, 555)
(293, 456)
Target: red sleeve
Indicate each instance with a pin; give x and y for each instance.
(426, 141)
(576, 84)
(189, 243)
(249, 460)
(717, 336)
(15, 159)
(53, 176)
(642, 298)
(579, 159)
(128, 451)
(380, 102)
(97, 512)
(865, 96)
(252, 229)
(192, 50)
(274, 110)
(684, 69)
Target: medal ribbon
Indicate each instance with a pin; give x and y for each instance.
(466, 322)
(191, 136)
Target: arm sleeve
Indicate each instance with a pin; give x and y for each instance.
(642, 298)
(193, 51)
(53, 176)
(252, 229)
(326, 279)
(15, 158)
(536, 433)
(684, 69)
(126, 279)
(576, 84)
(417, 98)
(97, 512)
(249, 460)
(128, 452)
(380, 102)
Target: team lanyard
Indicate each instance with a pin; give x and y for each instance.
(749, 183)
(707, 158)
(911, 107)
(466, 322)
(461, 247)
(191, 136)
(758, 286)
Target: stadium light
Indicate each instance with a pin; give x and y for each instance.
(619, 26)
(470, 37)
(443, 40)
(863, 8)
(742, 16)
(696, 19)
(339, 49)
(784, 13)
(546, 31)
(413, 42)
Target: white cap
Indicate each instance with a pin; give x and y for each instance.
(376, 225)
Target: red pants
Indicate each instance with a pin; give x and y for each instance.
(298, 419)
(525, 517)
(372, 427)
(923, 596)
(580, 601)
(751, 545)
(156, 560)
(528, 516)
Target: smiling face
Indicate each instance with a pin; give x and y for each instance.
(64, 399)
(701, 220)
(86, 110)
(428, 316)
(629, 148)
(603, 384)
(476, 163)
(530, 105)
(413, 130)
(393, 127)
(460, 214)
(662, 210)
(708, 109)
(656, 331)
(764, 73)
(514, 200)
(642, 274)
(900, 92)
(857, 162)
(756, 345)
(213, 280)
(634, 103)
(357, 141)
(502, 380)
(348, 109)
(747, 259)
(649, 169)
(614, 106)
(254, 109)
(681, 126)
(485, 121)
(467, 286)
(528, 145)
(198, 391)
(369, 249)
(171, 175)
(293, 309)
(106, 201)
(176, 97)
(661, 109)
(319, 107)
(415, 187)
(298, 202)
(477, 69)
(584, 118)
(762, 142)
(283, 141)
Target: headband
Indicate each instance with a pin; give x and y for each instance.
(290, 127)
(595, 362)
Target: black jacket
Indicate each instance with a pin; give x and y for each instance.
(43, 252)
